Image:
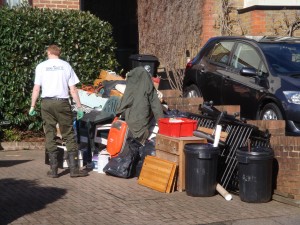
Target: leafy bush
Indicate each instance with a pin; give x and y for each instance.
(25, 32)
(12, 135)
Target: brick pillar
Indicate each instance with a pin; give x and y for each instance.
(258, 22)
(54, 4)
(208, 20)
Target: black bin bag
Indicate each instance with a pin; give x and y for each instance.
(125, 163)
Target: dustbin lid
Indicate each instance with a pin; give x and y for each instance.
(255, 153)
(143, 58)
(202, 151)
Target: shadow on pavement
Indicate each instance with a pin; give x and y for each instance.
(15, 203)
(9, 163)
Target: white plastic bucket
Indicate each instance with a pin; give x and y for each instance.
(103, 159)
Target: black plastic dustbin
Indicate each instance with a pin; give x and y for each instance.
(201, 162)
(147, 61)
(255, 167)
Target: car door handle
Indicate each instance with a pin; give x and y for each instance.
(202, 68)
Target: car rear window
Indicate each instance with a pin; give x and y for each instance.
(221, 52)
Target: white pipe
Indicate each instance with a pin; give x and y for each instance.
(223, 192)
(217, 135)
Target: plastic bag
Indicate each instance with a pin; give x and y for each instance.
(125, 163)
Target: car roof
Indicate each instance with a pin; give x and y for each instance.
(262, 39)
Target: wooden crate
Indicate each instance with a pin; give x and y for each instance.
(172, 149)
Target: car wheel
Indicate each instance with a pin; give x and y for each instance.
(271, 112)
(192, 91)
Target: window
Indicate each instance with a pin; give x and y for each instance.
(221, 52)
(245, 56)
(12, 3)
(282, 57)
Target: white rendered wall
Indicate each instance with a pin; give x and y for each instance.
(248, 3)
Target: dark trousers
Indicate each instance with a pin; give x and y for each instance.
(53, 112)
(143, 137)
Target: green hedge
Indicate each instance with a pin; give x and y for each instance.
(25, 32)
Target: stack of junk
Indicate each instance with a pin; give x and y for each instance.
(203, 153)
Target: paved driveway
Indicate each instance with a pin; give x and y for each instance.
(28, 196)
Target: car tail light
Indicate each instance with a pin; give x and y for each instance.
(189, 65)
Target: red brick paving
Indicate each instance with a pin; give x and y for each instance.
(28, 196)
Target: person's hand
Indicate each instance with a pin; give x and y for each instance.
(32, 112)
(79, 113)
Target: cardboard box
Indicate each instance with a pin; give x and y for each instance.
(107, 75)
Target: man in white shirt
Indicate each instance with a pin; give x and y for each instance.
(56, 78)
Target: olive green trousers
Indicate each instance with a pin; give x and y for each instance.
(53, 112)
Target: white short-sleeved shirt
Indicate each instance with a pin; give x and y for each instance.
(55, 76)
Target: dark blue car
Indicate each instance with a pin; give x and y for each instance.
(261, 74)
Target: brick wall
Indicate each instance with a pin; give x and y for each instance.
(258, 22)
(209, 19)
(212, 16)
(57, 4)
(275, 20)
(268, 21)
(287, 155)
(13, 146)
(252, 21)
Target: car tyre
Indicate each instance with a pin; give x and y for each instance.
(271, 112)
(192, 91)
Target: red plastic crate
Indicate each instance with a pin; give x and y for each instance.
(185, 128)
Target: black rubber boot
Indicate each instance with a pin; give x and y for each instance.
(73, 165)
(53, 164)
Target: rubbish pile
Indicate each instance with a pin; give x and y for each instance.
(102, 130)
(171, 143)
